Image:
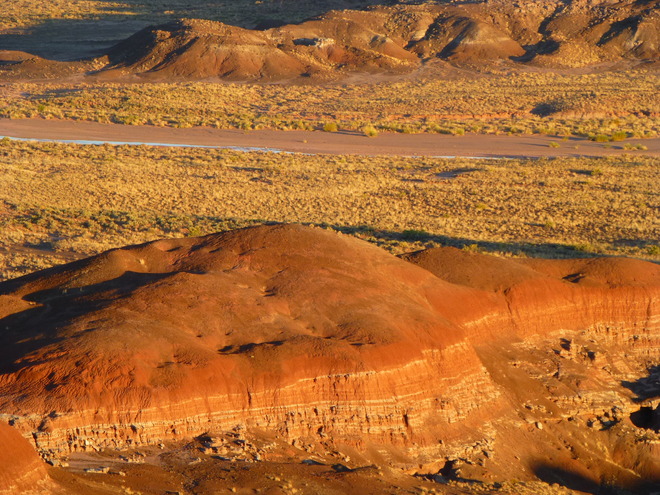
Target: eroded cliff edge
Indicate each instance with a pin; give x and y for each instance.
(441, 361)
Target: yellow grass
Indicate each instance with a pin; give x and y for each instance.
(21, 13)
(526, 103)
(70, 200)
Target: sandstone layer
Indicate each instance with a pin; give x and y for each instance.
(439, 361)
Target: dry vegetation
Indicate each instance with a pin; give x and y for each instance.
(584, 105)
(21, 13)
(65, 201)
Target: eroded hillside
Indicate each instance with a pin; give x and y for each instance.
(443, 364)
(392, 40)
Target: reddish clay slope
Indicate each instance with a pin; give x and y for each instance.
(228, 328)
(314, 335)
(21, 469)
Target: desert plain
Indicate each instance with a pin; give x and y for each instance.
(347, 246)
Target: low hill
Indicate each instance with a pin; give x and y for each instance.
(324, 339)
(397, 39)
(394, 40)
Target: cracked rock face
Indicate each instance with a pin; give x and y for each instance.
(439, 358)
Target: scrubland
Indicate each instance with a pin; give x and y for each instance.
(521, 103)
(21, 13)
(60, 202)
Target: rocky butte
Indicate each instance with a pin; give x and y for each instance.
(441, 362)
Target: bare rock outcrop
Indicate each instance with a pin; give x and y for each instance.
(397, 39)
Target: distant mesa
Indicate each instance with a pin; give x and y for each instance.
(320, 337)
(391, 40)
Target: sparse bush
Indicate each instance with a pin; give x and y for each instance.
(587, 247)
(330, 127)
(195, 231)
(370, 131)
(553, 144)
(472, 248)
(619, 136)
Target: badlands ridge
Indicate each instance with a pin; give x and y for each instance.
(383, 39)
(439, 363)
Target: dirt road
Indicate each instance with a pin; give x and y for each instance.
(470, 145)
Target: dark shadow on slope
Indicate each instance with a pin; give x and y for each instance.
(75, 39)
(538, 250)
(24, 332)
(617, 28)
(647, 387)
(646, 418)
(68, 40)
(575, 481)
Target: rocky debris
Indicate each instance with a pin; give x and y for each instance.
(135, 458)
(98, 470)
(231, 446)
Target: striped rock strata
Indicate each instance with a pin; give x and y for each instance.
(317, 336)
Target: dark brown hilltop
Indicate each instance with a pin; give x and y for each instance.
(446, 364)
